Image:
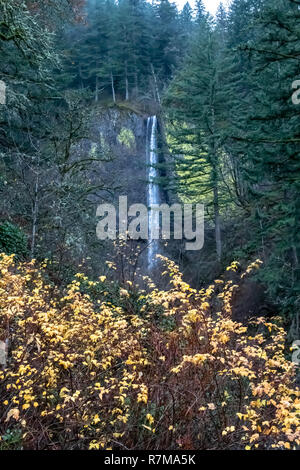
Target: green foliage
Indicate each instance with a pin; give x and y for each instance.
(126, 138)
(13, 240)
(266, 132)
(197, 106)
(12, 440)
(233, 127)
(123, 44)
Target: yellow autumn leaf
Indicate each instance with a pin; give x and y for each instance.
(13, 413)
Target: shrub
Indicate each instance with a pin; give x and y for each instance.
(126, 138)
(88, 373)
(13, 240)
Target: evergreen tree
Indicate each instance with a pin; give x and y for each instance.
(271, 140)
(186, 23)
(200, 11)
(196, 105)
(166, 44)
(222, 24)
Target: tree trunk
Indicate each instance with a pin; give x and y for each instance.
(3, 353)
(136, 85)
(126, 83)
(157, 95)
(217, 222)
(113, 87)
(81, 78)
(97, 90)
(34, 218)
(215, 179)
(295, 254)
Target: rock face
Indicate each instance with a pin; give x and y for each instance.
(121, 135)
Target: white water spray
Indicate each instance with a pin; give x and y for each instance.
(153, 189)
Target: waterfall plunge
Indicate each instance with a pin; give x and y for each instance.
(153, 190)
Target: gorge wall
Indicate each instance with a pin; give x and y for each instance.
(126, 138)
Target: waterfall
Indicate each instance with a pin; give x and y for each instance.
(153, 190)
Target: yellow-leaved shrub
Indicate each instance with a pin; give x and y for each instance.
(89, 373)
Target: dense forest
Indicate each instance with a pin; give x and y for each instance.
(97, 349)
